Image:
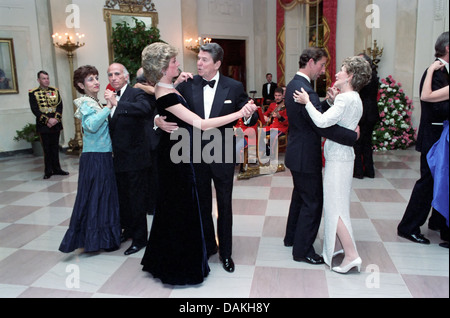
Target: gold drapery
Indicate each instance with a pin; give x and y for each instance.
(329, 21)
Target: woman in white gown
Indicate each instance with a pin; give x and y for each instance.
(346, 112)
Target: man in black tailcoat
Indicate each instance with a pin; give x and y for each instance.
(131, 149)
(304, 158)
(210, 94)
(430, 130)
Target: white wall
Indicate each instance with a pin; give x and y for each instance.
(18, 20)
(27, 22)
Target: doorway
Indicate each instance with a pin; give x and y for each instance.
(234, 61)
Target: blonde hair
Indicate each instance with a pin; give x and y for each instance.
(155, 60)
(361, 70)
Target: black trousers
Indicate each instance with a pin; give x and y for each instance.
(419, 205)
(50, 145)
(364, 152)
(305, 213)
(132, 188)
(222, 175)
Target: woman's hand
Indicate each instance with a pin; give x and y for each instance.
(437, 65)
(248, 109)
(184, 76)
(301, 97)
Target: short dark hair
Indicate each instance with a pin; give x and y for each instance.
(41, 72)
(441, 44)
(314, 53)
(80, 75)
(215, 50)
(279, 90)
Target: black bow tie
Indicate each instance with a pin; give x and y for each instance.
(118, 93)
(210, 83)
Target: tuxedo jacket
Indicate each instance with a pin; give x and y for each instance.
(270, 94)
(229, 98)
(131, 145)
(304, 151)
(369, 98)
(435, 113)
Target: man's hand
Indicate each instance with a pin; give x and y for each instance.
(164, 125)
(51, 122)
(358, 132)
(111, 97)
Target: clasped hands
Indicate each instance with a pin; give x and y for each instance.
(303, 97)
(110, 97)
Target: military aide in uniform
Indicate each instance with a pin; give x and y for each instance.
(47, 106)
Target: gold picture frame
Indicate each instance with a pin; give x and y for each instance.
(8, 71)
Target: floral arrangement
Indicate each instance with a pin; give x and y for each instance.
(394, 130)
(128, 43)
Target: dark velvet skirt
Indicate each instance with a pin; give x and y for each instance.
(95, 221)
(176, 252)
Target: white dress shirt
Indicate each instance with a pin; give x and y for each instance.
(208, 95)
(122, 90)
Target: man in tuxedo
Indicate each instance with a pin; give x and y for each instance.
(129, 117)
(154, 136)
(430, 129)
(269, 90)
(304, 158)
(210, 94)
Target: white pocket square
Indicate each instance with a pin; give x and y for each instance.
(228, 101)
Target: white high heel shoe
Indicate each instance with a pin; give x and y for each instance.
(343, 270)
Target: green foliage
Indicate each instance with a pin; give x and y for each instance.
(27, 133)
(128, 43)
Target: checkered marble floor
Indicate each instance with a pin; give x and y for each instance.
(35, 213)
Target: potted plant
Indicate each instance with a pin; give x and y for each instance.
(28, 133)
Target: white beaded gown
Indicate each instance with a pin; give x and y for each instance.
(339, 160)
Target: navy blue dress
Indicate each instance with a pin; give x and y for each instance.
(95, 221)
(176, 252)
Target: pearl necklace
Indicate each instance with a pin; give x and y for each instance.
(165, 85)
(96, 100)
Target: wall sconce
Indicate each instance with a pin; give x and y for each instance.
(195, 46)
(75, 144)
(374, 52)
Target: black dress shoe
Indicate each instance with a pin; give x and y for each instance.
(61, 173)
(416, 238)
(133, 249)
(47, 176)
(228, 264)
(314, 260)
(443, 244)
